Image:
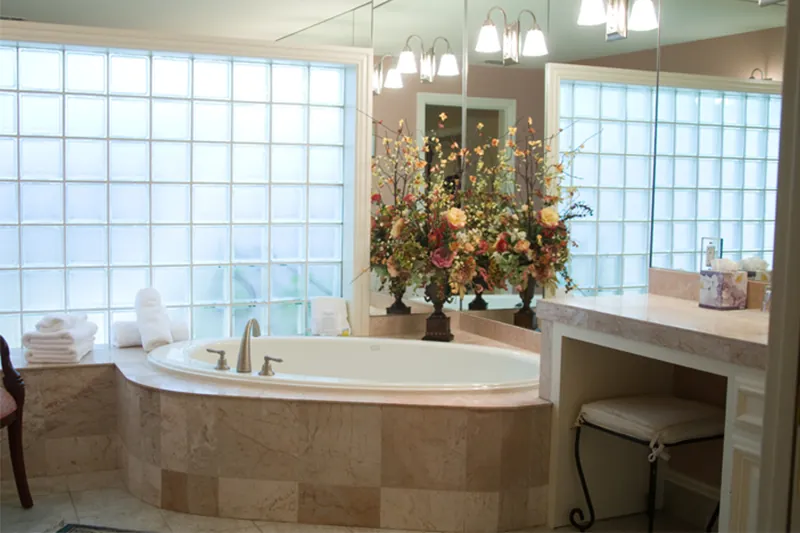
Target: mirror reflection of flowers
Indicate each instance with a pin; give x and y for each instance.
(536, 244)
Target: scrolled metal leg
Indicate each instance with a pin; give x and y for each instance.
(651, 496)
(713, 519)
(576, 516)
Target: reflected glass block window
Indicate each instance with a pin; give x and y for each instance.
(716, 176)
(611, 127)
(217, 180)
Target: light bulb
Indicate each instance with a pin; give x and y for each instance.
(393, 79)
(592, 13)
(643, 16)
(534, 44)
(406, 63)
(448, 65)
(488, 41)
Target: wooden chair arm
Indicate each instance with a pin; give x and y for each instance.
(12, 381)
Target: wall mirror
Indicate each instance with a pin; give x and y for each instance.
(718, 132)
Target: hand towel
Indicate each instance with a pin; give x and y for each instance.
(152, 318)
(60, 321)
(126, 334)
(74, 335)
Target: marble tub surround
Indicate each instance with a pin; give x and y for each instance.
(737, 337)
(399, 467)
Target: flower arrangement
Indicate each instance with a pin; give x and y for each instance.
(508, 225)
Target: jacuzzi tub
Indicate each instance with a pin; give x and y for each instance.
(361, 364)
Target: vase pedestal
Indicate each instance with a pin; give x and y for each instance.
(478, 304)
(525, 318)
(398, 307)
(437, 328)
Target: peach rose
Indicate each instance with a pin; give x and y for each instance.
(397, 228)
(522, 246)
(456, 218)
(549, 217)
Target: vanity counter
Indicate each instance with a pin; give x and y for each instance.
(737, 337)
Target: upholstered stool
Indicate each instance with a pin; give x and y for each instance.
(658, 422)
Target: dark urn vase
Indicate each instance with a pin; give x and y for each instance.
(437, 326)
(398, 307)
(526, 316)
(478, 304)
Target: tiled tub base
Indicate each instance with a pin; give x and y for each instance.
(379, 466)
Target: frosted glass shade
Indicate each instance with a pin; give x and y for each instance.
(488, 41)
(377, 80)
(592, 13)
(534, 44)
(393, 79)
(448, 65)
(407, 64)
(643, 16)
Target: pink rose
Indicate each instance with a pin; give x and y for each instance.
(442, 258)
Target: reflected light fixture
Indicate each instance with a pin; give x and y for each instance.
(448, 64)
(385, 80)
(488, 42)
(534, 44)
(592, 13)
(643, 16)
(393, 79)
(407, 63)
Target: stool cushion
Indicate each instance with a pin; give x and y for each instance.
(655, 419)
(7, 403)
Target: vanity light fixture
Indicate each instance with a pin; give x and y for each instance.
(592, 13)
(448, 64)
(761, 76)
(393, 79)
(385, 80)
(534, 44)
(407, 62)
(643, 16)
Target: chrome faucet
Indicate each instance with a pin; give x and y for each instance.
(250, 329)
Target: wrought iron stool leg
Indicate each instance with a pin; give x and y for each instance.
(578, 522)
(651, 496)
(713, 519)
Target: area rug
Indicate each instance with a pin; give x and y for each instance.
(80, 528)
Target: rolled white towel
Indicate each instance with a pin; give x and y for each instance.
(66, 337)
(60, 321)
(126, 334)
(152, 318)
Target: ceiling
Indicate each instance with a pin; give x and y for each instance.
(316, 21)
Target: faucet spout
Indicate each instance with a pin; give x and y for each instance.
(250, 329)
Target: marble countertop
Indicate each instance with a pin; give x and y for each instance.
(133, 364)
(738, 337)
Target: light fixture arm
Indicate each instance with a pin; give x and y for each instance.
(503, 11)
(753, 74)
(519, 18)
(433, 46)
(408, 42)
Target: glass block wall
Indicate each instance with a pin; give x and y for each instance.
(716, 174)
(217, 180)
(614, 125)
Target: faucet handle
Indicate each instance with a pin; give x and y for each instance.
(222, 363)
(266, 370)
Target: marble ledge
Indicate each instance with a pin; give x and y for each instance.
(133, 365)
(737, 337)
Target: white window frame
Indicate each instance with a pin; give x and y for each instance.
(555, 73)
(356, 234)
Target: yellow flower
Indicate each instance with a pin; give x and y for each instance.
(456, 218)
(401, 122)
(442, 116)
(522, 246)
(549, 217)
(397, 228)
(479, 150)
(512, 130)
(539, 239)
(480, 126)
(530, 121)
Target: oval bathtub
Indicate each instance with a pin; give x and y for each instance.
(361, 364)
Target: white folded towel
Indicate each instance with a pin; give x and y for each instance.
(152, 318)
(329, 317)
(66, 354)
(126, 334)
(60, 321)
(65, 337)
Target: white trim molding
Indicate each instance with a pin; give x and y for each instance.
(358, 65)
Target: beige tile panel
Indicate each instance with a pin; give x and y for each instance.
(73, 455)
(258, 500)
(423, 510)
(424, 448)
(674, 283)
(484, 450)
(78, 403)
(338, 505)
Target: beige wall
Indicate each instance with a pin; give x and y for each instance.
(732, 56)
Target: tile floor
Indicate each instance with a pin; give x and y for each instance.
(100, 499)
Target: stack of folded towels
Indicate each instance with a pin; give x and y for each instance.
(60, 338)
(153, 327)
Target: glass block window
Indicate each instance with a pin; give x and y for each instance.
(612, 126)
(217, 180)
(716, 174)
